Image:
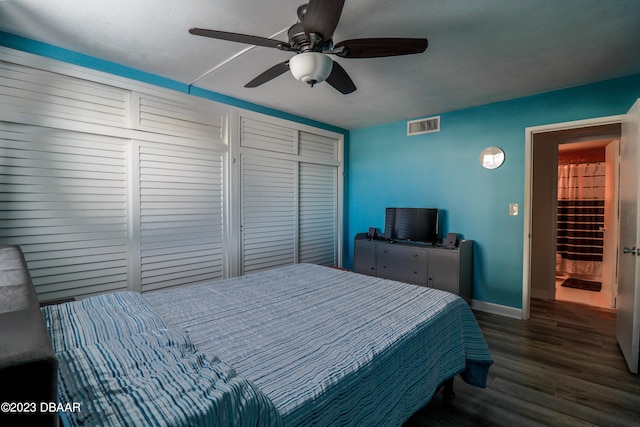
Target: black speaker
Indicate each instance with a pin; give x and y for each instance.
(372, 234)
(451, 241)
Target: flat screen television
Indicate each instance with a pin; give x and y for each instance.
(411, 224)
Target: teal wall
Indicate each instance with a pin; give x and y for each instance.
(442, 170)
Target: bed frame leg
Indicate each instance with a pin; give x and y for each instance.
(447, 391)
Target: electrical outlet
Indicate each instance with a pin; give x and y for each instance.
(513, 209)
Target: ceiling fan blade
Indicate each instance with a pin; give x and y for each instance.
(379, 47)
(239, 38)
(322, 17)
(269, 74)
(340, 80)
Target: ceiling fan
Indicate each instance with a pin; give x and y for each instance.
(311, 39)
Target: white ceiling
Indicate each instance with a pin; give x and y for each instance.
(479, 51)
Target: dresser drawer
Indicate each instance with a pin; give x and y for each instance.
(402, 270)
(365, 257)
(417, 254)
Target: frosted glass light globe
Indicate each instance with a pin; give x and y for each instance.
(310, 67)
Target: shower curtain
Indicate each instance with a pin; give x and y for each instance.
(580, 234)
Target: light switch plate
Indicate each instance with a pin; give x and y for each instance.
(513, 209)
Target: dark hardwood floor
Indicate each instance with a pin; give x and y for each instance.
(563, 367)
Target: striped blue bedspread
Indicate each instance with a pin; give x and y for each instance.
(123, 366)
(331, 347)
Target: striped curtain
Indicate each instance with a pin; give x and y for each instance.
(580, 234)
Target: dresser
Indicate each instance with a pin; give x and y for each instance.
(436, 267)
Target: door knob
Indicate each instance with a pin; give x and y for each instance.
(632, 251)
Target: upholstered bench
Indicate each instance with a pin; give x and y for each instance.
(28, 365)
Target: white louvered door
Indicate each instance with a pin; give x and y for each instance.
(32, 95)
(181, 215)
(289, 196)
(318, 193)
(268, 208)
(318, 214)
(64, 201)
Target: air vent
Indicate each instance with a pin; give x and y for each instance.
(428, 125)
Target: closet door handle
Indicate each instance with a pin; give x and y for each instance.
(632, 251)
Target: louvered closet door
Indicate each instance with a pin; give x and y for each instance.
(318, 214)
(63, 199)
(268, 213)
(30, 95)
(181, 215)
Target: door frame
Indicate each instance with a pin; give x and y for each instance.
(528, 193)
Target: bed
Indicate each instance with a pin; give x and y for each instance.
(299, 345)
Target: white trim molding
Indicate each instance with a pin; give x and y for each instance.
(501, 310)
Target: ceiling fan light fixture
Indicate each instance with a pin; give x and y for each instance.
(310, 67)
(311, 37)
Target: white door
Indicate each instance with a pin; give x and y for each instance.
(268, 212)
(628, 317)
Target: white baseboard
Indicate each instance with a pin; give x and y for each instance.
(502, 310)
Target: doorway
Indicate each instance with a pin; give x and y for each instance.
(540, 213)
(587, 221)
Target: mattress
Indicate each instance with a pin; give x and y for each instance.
(331, 347)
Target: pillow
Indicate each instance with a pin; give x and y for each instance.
(100, 318)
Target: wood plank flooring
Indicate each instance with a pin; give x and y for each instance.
(563, 367)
